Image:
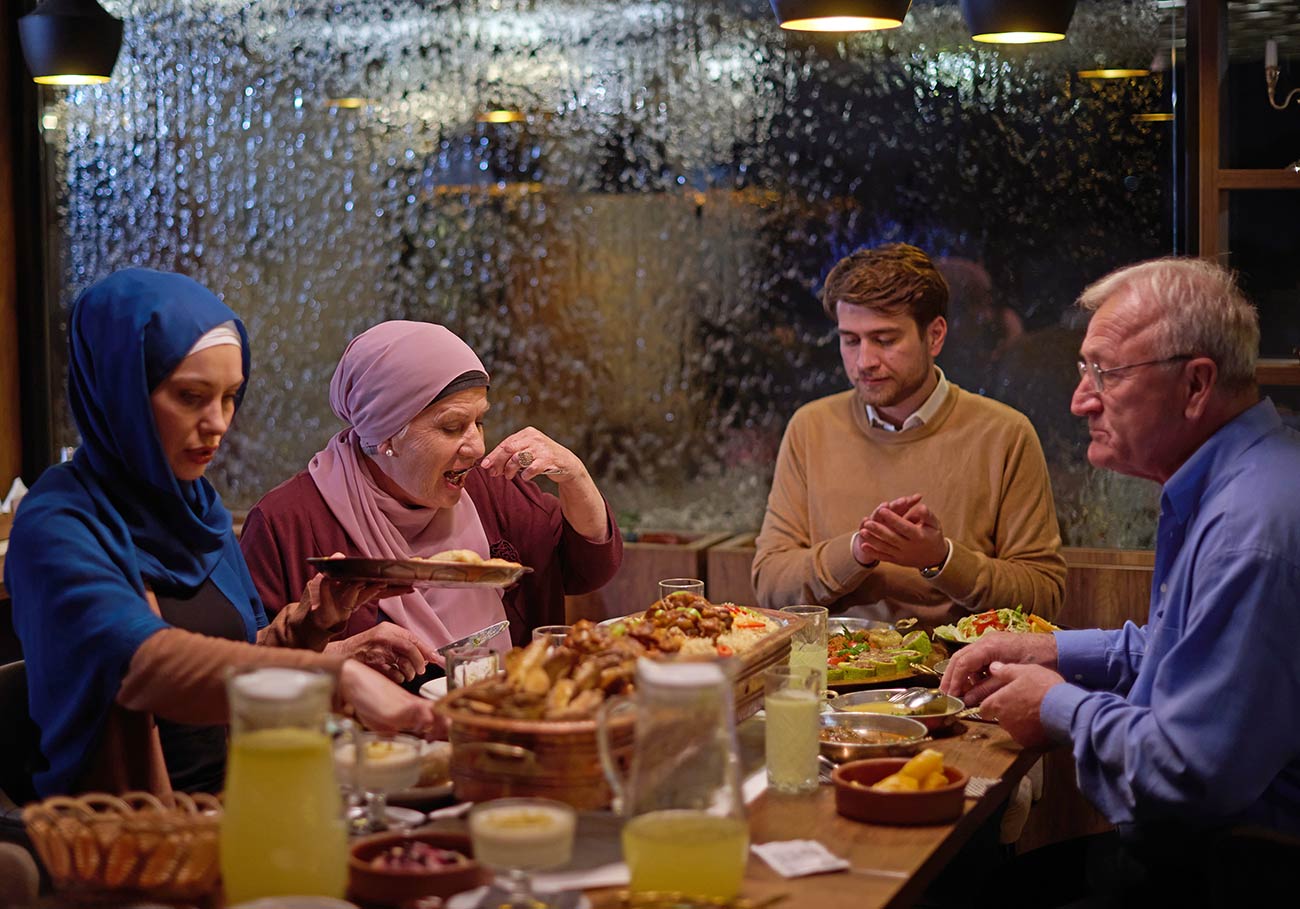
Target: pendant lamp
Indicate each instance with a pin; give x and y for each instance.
(1017, 21)
(840, 15)
(70, 42)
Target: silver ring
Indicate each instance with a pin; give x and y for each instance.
(525, 458)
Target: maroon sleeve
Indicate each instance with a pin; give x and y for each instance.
(524, 524)
(262, 553)
(291, 524)
(589, 566)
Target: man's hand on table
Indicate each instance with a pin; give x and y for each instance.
(1017, 704)
(968, 676)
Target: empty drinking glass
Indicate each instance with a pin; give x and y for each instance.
(808, 647)
(557, 633)
(670, 586)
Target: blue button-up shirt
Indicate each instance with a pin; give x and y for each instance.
(1194, 717)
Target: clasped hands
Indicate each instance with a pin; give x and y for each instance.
(902, 531)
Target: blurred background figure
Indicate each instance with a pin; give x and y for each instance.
(980, 325)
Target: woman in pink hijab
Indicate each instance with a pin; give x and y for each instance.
(408, 477)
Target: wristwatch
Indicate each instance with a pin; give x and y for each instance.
(933, 571)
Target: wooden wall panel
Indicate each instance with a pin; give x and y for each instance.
(729, 563)
(636, 585)
(1104, 588)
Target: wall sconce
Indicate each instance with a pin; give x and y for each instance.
(1017, 21)
(840, 15)
(70, 42)
(1270, 76)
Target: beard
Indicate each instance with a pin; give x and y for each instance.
(892, 392)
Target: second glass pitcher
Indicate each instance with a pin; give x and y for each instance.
(283, 831)
(685, 829)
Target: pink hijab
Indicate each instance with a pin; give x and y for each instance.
(388, 375)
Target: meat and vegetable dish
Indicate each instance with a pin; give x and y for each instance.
(687, 624)
(879, 655)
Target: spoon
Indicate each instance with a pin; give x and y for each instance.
(913, 699)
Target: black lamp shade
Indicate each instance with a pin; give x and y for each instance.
(840, 15)
(67, 42)
(1017, 21)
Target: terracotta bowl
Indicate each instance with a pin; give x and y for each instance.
(367, 884)
(855, 799)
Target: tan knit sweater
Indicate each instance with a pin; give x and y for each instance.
(978, 466)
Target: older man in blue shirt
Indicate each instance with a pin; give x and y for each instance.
(1188, 723)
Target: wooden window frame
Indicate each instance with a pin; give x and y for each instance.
(1207, 33)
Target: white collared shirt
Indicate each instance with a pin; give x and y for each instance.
(922, 414)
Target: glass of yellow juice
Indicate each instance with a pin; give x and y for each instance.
(791, 702)
(808, 646)
(684, 851)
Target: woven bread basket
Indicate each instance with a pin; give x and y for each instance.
(495, 757)
(136, 843)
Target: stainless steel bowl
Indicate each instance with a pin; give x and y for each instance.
(914, 731)
(936, 715)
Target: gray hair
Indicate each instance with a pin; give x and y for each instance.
(1194, 307)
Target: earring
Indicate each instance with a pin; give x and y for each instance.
(389, 451)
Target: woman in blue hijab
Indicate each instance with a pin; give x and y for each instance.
(130, 595)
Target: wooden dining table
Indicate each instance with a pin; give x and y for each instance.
(889, 866)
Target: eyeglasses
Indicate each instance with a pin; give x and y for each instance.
(1097, 374)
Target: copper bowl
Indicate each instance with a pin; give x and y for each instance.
(388, 886)
(854, 797)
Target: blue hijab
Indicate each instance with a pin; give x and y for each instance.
(94, 533)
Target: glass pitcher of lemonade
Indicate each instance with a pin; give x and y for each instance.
(283, 830)
(685, 830)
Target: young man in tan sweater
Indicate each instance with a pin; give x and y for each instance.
(906, 496)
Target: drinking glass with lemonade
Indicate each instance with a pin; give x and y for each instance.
(792, 701)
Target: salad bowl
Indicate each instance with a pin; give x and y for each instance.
(971, 628)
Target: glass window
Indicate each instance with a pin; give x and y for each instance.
(627, 210)
(1257, 135)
